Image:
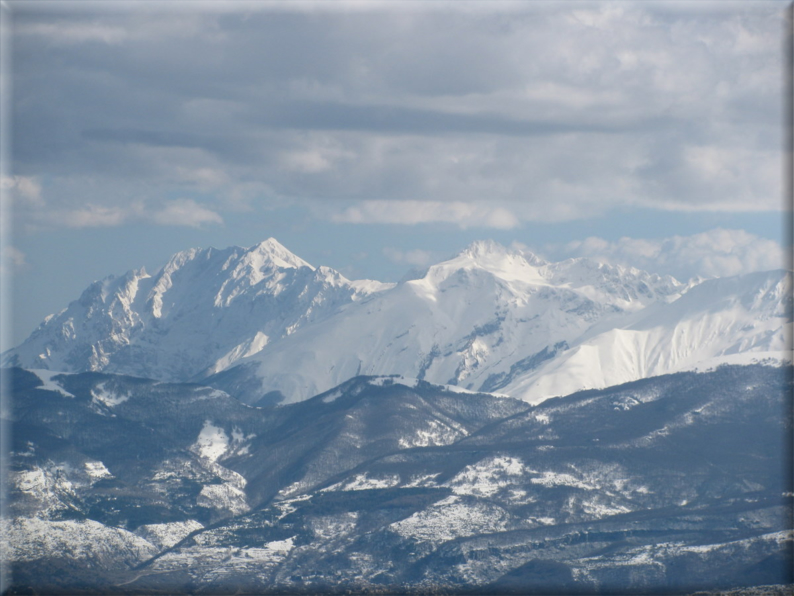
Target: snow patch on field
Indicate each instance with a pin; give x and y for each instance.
(519, 496)
(452, 518)
(167, 535)
(425, 480)
(224, 564)
(409, 382)
(212, 442)
(609, 479)
(287, 506)
(332, 396)
(29, 539)
(330, 527)
(436, 433)
(413, 383)
(281, 546)
(487, 477)
(777, 538)
(550, 479)
(364, 482)
(30, 480)
(599, 508)
(656, 554)
(51, 486)
(100, 395)
(97, 470)
(224, 496)
(296, 488)
(46, 377)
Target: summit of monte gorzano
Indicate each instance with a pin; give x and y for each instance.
(261, 320)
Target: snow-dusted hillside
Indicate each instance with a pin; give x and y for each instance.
(261, 320)
(388, 485)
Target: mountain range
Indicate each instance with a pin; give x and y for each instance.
(261, 323)
(122, 485)
(243, 422)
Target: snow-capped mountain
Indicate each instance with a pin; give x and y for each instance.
(205, 309)
(262, 321)
(498, 320)
(476, 320)
(735, 320)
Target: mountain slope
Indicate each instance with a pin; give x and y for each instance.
(108, 471)
(667, 484)
(144, 433)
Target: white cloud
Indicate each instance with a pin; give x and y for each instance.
(715, 253)
(464, 215)
(185, 212)
(90, 216)
(551, 112)
(109, 26)
(24, 190)
(307, 162)
(179, 212)
(314, 153)
(204, 178)
(75, 33)
(11, 259)
(416, 257)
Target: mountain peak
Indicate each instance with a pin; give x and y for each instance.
(489, 249)
(272, 250)
(507, 264)
(481, 248)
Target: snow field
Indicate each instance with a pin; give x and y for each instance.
(450, 518)
(107, 398)
(46, 377)
(167, 535)
(29, 539)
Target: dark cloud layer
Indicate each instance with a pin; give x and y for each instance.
(542, 111)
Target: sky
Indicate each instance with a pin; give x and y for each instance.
(381, 137)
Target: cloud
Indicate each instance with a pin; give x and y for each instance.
(464, 215)
(23, 190)
(416, 257)
(37, 211)
(179, 212)
(547, 111)
(715, 253)
(90, 216)
(184, 212)
(314, 154)
(75, 33)
(11, 259)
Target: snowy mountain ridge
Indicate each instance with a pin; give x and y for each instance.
(204, 306)
(262, 321)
